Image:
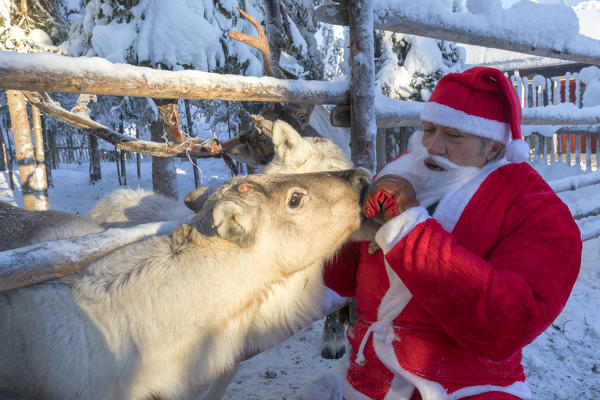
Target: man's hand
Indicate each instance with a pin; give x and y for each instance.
(390, 195)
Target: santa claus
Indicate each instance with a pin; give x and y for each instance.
(477, 255)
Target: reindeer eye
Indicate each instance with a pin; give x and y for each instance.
(295, 200)
(301, 118)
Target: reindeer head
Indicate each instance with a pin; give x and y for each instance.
(254, 141)
(276, 214)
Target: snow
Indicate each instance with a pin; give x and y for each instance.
(563, 363)
(587, 14)
(97, 67)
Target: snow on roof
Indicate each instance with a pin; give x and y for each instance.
(588, 13)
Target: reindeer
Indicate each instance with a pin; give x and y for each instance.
(168, 315)
(293, 304)
(20, 228)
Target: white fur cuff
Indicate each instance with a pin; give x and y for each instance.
(396, 228)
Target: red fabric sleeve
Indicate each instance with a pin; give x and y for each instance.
(495, 306)
(340, 272)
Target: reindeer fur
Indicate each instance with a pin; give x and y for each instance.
(168, 315)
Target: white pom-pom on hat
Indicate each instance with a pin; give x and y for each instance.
(517, 151)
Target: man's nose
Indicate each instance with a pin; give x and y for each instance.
(436, 146)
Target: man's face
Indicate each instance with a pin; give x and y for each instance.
(461, 148)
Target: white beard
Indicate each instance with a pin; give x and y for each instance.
(430, 186)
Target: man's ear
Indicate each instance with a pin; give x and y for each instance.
(496, 147)
(232, 222)
(289, 145)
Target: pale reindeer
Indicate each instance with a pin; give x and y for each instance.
(20, 228)
(166, 316)
(295, 303)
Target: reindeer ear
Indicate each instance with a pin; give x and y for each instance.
(232, 222)
(289, 145)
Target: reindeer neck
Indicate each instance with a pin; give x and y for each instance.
(156, 285)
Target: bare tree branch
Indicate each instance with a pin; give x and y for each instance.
(188, 146)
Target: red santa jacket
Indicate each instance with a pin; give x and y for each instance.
(457, 297)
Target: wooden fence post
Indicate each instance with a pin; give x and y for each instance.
(362, 83)
(34, 197)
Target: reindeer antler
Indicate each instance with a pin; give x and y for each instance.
(259, 42)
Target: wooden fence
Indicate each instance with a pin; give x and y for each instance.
(577, 145)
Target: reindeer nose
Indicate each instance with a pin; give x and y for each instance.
(363, 193)
(360, 178)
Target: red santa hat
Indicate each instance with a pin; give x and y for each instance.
(483, 102)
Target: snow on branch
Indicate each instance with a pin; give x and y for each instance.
(495, 31)
(50, 260)
(55, 73)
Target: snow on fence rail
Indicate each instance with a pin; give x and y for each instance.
(56, 73)
(485, 29)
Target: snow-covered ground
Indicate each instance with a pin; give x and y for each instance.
(563, 363)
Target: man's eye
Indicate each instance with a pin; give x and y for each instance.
(454, 134)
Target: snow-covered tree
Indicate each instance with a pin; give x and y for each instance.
(408, 67)
(30, 25)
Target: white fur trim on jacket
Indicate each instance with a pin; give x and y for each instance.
(452, 205)
(396, 228)
(488, 128)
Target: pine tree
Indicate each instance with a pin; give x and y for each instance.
(32, 26)
(408, 67)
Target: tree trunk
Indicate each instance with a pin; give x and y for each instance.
(34, 198)
(117, 163)
(95, 168)
(362, 83)
(40, 155)
(7, 160)
(403, 137)
(54, 158)
(390, 146)
(47, 153)
(275, 33)
(138, 157)
(164, 176)
(188, 116)
(122, 155)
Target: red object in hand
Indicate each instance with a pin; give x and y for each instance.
(383, 201)
(391, 195)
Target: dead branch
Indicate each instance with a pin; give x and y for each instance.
(193, 148)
